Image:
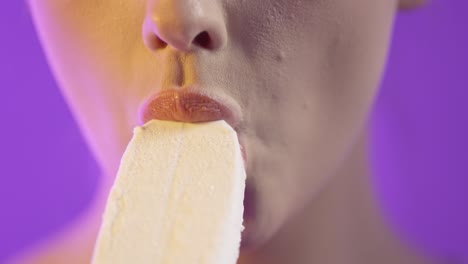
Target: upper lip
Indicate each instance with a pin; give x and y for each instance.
(191, 105)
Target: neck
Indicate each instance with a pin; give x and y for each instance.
(342, 225)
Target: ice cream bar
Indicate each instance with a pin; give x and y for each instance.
(177, 198)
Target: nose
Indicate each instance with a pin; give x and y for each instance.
(184, 25)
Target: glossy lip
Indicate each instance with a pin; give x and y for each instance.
(193, 105)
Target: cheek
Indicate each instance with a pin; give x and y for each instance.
(316, 97)
(351, 65)
(346, 62)
(88, 39)
(96, 53)
(320, 88)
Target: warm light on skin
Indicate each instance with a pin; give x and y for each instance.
(304, 73)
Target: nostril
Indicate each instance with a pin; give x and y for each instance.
(153, 42)
(203, 40)
(161, 44)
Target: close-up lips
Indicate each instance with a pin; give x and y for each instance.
(194, 106)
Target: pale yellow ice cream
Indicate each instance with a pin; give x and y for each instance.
(178, 197)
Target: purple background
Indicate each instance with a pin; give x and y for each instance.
(419, 129)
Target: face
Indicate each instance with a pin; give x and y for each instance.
(303, 74)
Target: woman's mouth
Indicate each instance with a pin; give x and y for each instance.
(194, 105)
(191, 105)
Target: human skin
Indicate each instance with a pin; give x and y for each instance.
(304, 74)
